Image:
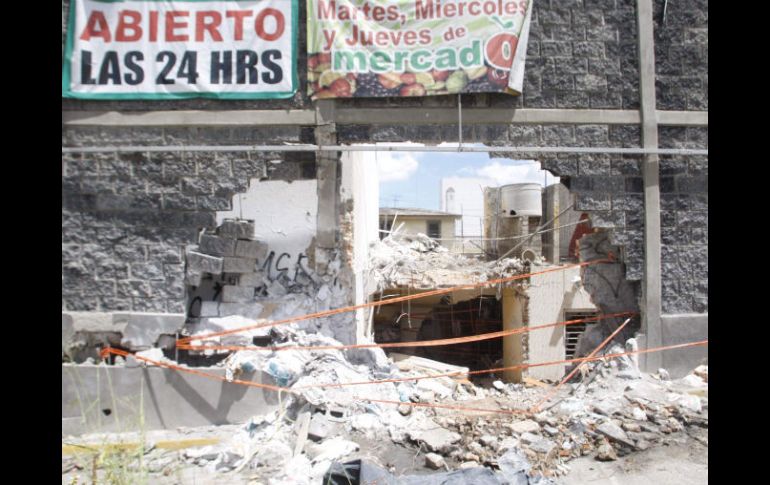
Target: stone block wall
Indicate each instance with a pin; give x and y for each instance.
(684, 222)
(681, 55)
(582, 54)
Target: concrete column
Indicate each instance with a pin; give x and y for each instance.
(513, 317)
(651, 309)
(327, 174)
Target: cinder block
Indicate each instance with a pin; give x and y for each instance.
(237, 294)
(143, 329)
(248, 310)
(217, 246)
(239, 265)
(251, 279)
(192, 277)
(203, 262)
(236, 229)
(251, 249)
(209, 309)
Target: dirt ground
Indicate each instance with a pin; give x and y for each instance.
(682, 460)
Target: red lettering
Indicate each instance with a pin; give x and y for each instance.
(201, 25)
(96, 19)
(259, 24)
(327, 10)
(153, 26)
(172, 25)
(128, 20)
(238, 16)
(425, 37)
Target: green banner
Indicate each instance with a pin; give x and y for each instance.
(360, 48)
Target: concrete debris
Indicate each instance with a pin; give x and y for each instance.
(322, 424)
(702, 371)
(434, 461)
(615, 433)
(606, 452)
(526, 426)
(434, 437)
(419, 261)
(333, 449)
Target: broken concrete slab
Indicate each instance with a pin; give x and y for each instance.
(615, 433)
(321, 427)
(526, 426)
(142, 330)
(436, 438)
(217, 245)
(239, 265)
(236, 229)
(248, 310)
(198, 262)
(209, 309)
(434, 461)
(251, 249)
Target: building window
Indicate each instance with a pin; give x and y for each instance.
(573, 332)
(434, 229)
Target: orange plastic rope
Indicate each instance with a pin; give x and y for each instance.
(109, 350)
(443, 291)
(420, 343)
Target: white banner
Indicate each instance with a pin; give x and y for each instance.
(146, 49)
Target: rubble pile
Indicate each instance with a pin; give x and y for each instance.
(321, 430)
(613, 411)
(421, 262)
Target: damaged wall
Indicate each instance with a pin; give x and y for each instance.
(550, 295)
(126, 219)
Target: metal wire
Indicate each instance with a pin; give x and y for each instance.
(384, 148)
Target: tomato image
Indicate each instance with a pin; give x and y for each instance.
(500, 50)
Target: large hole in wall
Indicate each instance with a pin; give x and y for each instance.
(435, 318)
(472, 204)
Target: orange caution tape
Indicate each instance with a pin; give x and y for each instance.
(419, 343)
(443, 291)
(295, 390)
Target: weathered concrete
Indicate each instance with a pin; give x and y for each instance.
(679, 329)
(651, 290)
(513, 318)
(550, 296)
(610, 291)
(115, 398)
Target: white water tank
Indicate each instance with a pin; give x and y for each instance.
(521, 200)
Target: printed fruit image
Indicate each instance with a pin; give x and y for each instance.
(500, 50)
(440, 75)
(415, 89)
(390, 80)
(342, 87)
(498, 78)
